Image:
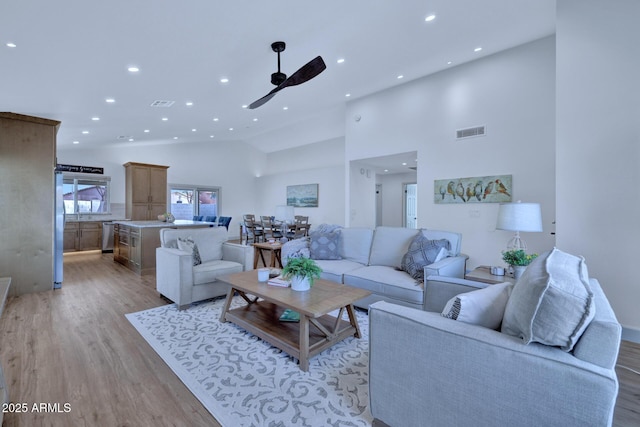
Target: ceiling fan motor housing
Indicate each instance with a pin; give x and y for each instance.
(278, 78)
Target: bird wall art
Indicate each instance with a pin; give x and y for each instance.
(479, 189)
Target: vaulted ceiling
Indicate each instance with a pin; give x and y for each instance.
(66, 61)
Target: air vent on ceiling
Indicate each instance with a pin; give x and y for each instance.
(162, 104)
(124, 137)
(415, 168)
(471, 132)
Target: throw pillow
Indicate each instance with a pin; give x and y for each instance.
(325, 245)
(552, 302)
(423, 251)
(484, 307)
(188, 245)
(295, 248)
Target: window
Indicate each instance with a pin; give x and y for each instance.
(84, 194)
(188, 201)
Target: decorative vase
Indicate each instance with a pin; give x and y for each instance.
(300, 283)
(518, 270)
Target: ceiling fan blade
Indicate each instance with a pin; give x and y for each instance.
(308, 71)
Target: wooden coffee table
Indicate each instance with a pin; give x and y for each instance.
(315, 332)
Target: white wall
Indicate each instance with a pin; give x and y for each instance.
(319, 163)
(598, 145)
(232, 166)
(513, 94)
(393, 197)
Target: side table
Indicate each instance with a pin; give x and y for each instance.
(483, 274)
(274, 248)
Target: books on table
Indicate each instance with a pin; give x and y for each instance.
(290, 316)
(279, 281)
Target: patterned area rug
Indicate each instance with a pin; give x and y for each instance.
(243, 381)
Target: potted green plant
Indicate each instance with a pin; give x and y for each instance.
(302, 272)
(518, 259)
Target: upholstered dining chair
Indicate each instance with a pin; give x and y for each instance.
(271, 230)
(210, 218)
(224, 221)
(253, 230)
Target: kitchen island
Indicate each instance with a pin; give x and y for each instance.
(135, 242)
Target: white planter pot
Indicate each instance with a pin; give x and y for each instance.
(518, 270)
(300, 283)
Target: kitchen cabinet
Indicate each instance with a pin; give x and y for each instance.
(145, 190)
(82, 236)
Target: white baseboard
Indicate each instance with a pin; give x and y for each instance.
(631, 334)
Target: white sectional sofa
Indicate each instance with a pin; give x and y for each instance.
(371, 258)
(178, 279)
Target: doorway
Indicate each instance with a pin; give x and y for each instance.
(410, 205)
(378, 205)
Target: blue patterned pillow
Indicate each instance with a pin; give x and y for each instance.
(325, 245)
(423, 251)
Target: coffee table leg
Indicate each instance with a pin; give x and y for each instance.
(354, 320)
(227, 304)
(304, 343)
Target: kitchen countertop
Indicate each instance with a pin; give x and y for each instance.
(161, 224)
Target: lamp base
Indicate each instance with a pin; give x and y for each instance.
(516, 243)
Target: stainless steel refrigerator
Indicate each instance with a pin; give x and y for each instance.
(58, 235)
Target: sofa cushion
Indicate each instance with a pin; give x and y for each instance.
(355, 244)
(188, 245)
(208, 272)
(455, 239)
(552, 302)
(387, 281)
(390, 244)
(423, 251)
(295, 248)
(484, 307)
(208, 239)
(334, 270)
(325, 245)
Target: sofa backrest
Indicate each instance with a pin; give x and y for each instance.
(355, 244)
(455, 239)
(209, 240)
(390, 244)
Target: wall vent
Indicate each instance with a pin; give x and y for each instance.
(162, 104)
(121, 137)
(471, 132)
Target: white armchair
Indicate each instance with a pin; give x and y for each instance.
(183, 283)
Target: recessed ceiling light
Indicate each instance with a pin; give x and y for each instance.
(400, 77)
(76, 142)
(133, 69)
(85, 132)
(164, 119)
(211, 136)
(175, 137)
(430, 18)
(95, 119)
(347, 95)
(131, 139)
(255, 119)
(188, 103)
(230, 128)
(478, 49)
(146, 131)
(224, 80)
(404, 163)
(386, 170)
(11, 44)
(215, 119)
(193, 130)
(340, 61)
(449, 62)
(285, 108)
(245, 106)
(110, 100)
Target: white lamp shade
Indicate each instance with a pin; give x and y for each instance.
(519, 217)
(285, 213)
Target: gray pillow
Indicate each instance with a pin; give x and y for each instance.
(325, 245)
(484, 307)
(552, 302)
(188, 245)
(423, 251)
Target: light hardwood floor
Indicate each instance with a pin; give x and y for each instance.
(75, 346)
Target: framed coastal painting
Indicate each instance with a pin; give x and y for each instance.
(478, 189)
(302, 196)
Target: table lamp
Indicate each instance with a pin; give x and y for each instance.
(519, 217)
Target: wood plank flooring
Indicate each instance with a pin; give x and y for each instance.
(75, 346)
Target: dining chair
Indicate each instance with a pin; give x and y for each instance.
(224, 221)
(210, 218)
(271, 230)
(300, 227)
(252, 229)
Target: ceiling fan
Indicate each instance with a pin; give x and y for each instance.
(304, 74)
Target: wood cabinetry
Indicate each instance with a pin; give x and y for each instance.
(146, 191)
(82, 236)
